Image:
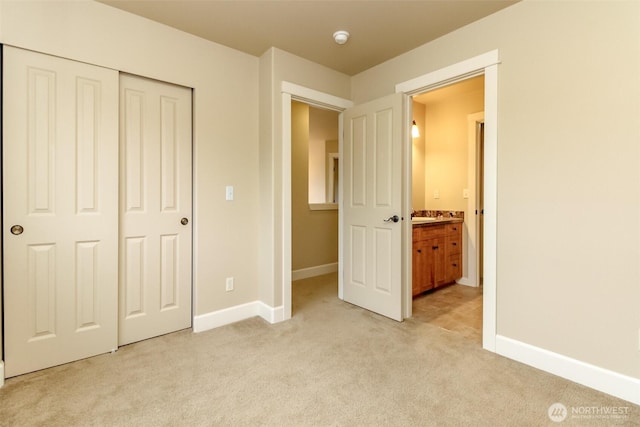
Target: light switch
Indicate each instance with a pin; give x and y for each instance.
(465, 193)
(229, 192)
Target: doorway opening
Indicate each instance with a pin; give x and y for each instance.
(311, 97)
(384, 125)
(314, 207)
(485, 64)
(446, 184)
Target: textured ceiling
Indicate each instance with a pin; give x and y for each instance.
(380, 30)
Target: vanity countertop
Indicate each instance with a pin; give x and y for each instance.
(421, 221)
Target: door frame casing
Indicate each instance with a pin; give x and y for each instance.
(485, 64)
(472, 251)
(294, 92)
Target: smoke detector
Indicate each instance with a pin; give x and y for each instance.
(341, 36)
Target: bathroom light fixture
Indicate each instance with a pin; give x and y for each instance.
(341, 36)
(415, 132)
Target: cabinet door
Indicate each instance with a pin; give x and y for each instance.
(438, 261)
(416, 276)
(422, 268)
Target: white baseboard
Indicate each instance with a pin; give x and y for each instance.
(604, 380)
(1, 373)
(318, 270)
(270, 314)
(465, 281)
(226, 316)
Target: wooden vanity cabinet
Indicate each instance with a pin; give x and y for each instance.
(428, 265)
(437, 256)
(429, 258)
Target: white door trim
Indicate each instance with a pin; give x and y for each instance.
(292, 91)
(486, 64)
(453, 73)
(472, 254)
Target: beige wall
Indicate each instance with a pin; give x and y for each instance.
(446, 144)
(314, 234)
(568, 170)
(277, 66)
(225, 107)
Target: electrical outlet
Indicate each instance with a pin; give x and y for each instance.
(465, 193)
(436, 194)
(229, 284)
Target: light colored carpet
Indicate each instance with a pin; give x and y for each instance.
(332, 364)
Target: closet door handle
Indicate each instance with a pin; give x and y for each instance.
(184, 221)
(16, 230)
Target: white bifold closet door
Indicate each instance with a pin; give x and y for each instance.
(60, 210)
(155, 208)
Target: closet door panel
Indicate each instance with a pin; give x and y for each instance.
(155, 217)
(60, 195)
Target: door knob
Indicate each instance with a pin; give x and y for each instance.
(394, 218)
(184, 221)
(17, 230)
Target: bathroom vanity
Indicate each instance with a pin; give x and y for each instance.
(437, 252)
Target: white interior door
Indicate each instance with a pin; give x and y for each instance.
(60, 163)
(155, 208)
(372, 205)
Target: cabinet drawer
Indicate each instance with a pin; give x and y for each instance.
(453, 245)
(431, 232)
(455, 228)
(454, 267)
